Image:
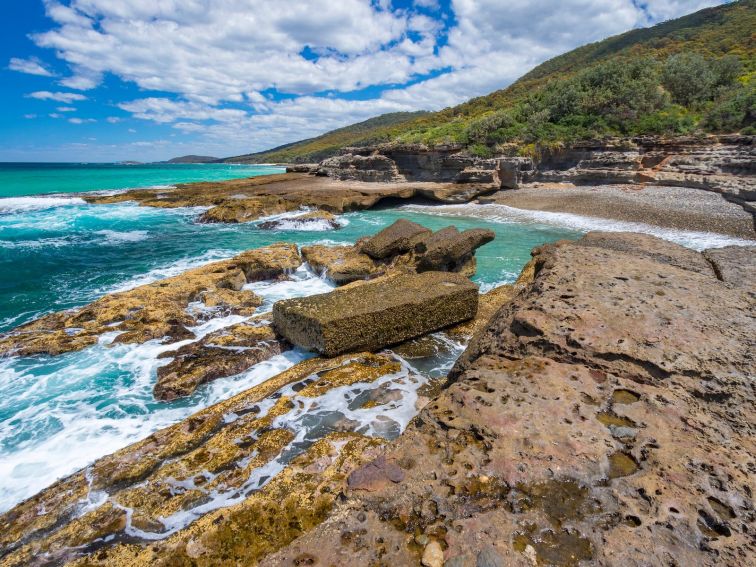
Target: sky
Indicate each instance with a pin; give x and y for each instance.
(147, 80)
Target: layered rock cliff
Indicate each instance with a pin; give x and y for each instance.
(725, 164)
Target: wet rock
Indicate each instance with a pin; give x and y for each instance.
(376, 314)
(735, 265)
(179, 470)
(341, 264)
(314, 218)
(245, 200)
(449, 250)
(220, 354)
(245, 210)
(400, 237)
(158, 310)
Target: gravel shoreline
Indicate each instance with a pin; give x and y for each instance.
(670, 207)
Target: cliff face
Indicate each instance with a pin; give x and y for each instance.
(724, 164)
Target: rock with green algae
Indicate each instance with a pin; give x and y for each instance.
(226, 352)
(118, 511)
(157, 310)
(376, 314)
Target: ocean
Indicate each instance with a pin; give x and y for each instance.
(58, 414)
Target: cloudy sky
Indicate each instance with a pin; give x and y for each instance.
(105, 80)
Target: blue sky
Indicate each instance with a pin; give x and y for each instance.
(111, 80)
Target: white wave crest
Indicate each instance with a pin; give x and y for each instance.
(21, 204)
(696, 240)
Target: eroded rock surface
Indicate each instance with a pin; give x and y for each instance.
(198, 492)
(376, 314)
(158, 310)
(604, 416)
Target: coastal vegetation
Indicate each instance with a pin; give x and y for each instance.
(690, 75)
(376, 130)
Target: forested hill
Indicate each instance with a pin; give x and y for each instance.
(692, 74)
(382, 128)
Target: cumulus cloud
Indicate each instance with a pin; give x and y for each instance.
(58, 96)
(65, 109)
(81, 120)
(31, 66)
(252, 74)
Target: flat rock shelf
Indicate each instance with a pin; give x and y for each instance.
(376, 314)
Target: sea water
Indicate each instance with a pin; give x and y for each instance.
(58, 414)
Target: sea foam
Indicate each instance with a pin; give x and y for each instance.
(505, 214)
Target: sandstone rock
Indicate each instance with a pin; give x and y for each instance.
(400, 237)
(376, 314)
(341, 264)
(735, 265)
(302, 221)
(220, 354)
(527, 453)
(433, 555)
(646, 246)
(157, 310)
(449, 250)
(245, 210)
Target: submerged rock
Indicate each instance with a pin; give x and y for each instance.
(603, 416)
(158, 310)
(376, 314)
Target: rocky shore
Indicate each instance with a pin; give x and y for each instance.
(705, 183)
(602, 414)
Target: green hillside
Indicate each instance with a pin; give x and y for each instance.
(376, 130)
(692, 74)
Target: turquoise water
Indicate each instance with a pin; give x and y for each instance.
(18, 179)
(57, 414)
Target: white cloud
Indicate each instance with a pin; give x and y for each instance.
(81, 120)
(113, 119)
(31, 66)
(215, 62)
(59, 97)
(30, 116)
(65, 109)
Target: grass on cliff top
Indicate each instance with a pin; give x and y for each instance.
(695, 74)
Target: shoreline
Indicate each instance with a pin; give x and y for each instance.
(680, 208)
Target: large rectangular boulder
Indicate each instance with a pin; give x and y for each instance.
(376, 314)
